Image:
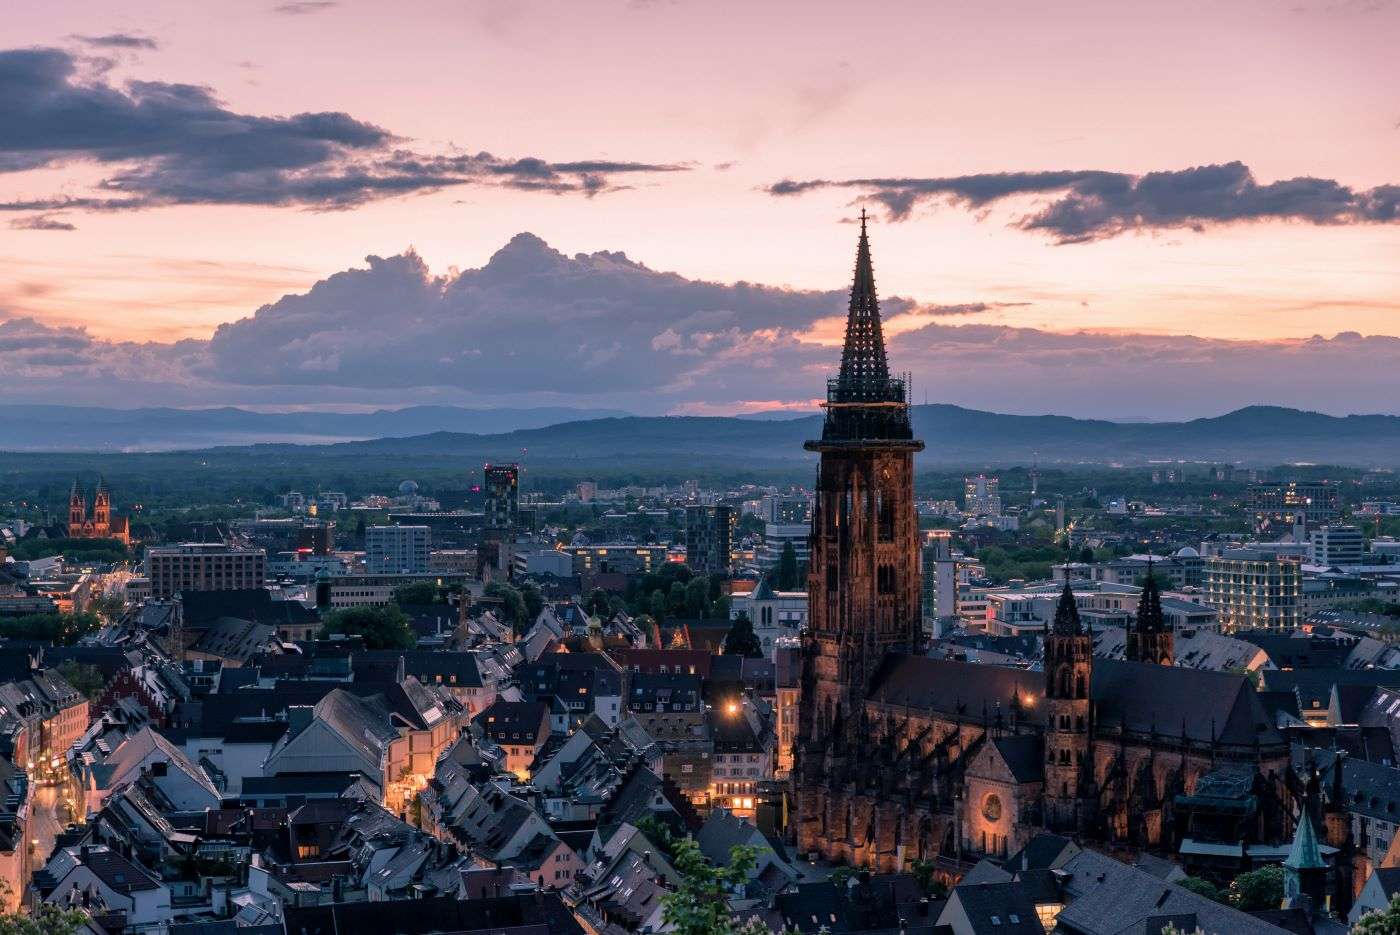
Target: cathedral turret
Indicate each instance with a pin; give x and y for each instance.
(1069, 657)
(101, 510)
(1304, 871)
(77, 510)
(1150, 637)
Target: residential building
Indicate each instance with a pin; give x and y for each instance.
(396, 550)
(939, 595)
(776, 537)
(519, 728)
(982, 496)
(709, 538)
(1281, 505)
(616, 557)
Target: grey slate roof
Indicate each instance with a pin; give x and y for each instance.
(1108, 897)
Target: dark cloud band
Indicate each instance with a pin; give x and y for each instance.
(1095, 205)
(177, 144)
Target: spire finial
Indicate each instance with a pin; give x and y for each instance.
(865, 373)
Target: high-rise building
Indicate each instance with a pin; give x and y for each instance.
(1254, 589)
(784, 510)
(1337, 545)
(502, 490)
(982, 495)
(1281, 505)
(940, 580)
(776, 537)
(396, 550)
(709, 538)
(199, 566)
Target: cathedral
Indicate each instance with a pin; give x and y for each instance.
(902, 757)
(101, 524)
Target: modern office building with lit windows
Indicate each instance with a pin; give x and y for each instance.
(1255, 589)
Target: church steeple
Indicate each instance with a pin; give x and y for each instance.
(863, 583)
(865, 371)
(1150, 637)
(863, 402)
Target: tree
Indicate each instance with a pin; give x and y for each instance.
(597, 603)
(534, 600)
(416, 593)
(1202, 888)
(657, 606)
(1257, 889)
(929, 885)
(513, 604)
(1380, 921)
(86, 679)
(1086, 555)
(741, 640)
(59, 629)
(109, 607)
(46, 920)
(675, 598)
(382, 627)
(697, 598)
(787, 568)
(699, 903)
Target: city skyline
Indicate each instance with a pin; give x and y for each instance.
(1214, 227)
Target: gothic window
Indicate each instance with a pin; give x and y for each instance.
(991, 807)
(1079, 685)
(1064, 682)
(884, 579)
(884, 509)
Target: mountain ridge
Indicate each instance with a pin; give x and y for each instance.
(1261, 435)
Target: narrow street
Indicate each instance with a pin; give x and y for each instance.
(44, 824)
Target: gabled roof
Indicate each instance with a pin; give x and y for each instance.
(1109, 896)
(363, 723)
(995, 909)
(1024, 755)
(124, 763)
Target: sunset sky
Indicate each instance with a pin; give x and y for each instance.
(1118, 209)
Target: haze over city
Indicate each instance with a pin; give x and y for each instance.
(1194, 205)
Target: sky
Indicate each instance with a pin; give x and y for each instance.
(1119, 210)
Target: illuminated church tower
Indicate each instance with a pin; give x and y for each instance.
(863, 584)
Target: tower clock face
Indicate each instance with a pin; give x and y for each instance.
(991, 807)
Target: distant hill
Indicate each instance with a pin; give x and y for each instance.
(94, 428)
(1257, 435)
(1262, 435)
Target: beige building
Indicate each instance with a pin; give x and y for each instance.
(199, 566)
(1251, 588)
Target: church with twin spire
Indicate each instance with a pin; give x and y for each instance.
(901, 757)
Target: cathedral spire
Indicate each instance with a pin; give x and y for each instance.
(1149, 610)
(865, 371)
(1067, 613)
